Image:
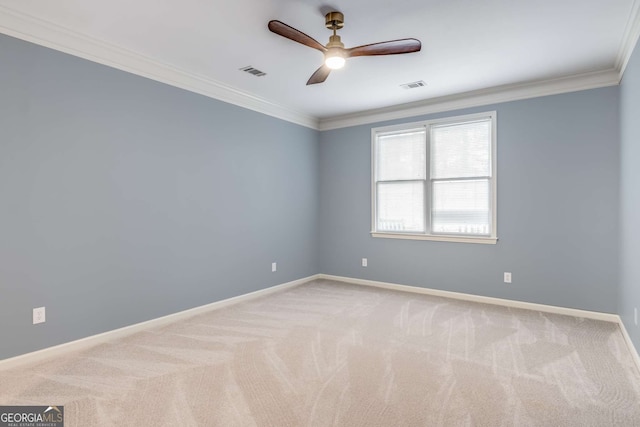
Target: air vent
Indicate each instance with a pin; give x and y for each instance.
(253, 71)
(413, 85)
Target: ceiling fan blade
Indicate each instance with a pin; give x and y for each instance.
(319, 76)
(291, 33)
(392, 47)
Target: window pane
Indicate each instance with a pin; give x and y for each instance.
(401, 206)
(461, 150)
(401, 156)
(461, 207)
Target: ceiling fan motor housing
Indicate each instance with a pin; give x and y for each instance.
(334, 41)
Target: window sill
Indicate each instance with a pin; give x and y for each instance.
(436, 238)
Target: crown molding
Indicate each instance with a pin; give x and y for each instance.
(629, 39)
(477, 98)
(48, 34)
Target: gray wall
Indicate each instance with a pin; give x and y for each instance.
(123, 199)
(630, 196)
(558, 199)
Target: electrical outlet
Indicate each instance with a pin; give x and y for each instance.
(364, 262)
(274, 267)
(507, 277)
(38, 315)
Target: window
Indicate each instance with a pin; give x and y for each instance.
(436, 180)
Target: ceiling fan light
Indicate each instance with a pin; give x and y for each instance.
(334, 58)
(334, 62)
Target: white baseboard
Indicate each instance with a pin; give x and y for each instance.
(595, 315)
(607, 317)
(93, 340)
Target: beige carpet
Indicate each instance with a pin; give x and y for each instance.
(331, 354)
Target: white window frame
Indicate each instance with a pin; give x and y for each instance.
(493, 203)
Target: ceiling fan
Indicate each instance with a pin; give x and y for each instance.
(335, 53)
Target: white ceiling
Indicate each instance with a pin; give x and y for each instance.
(468, 47)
